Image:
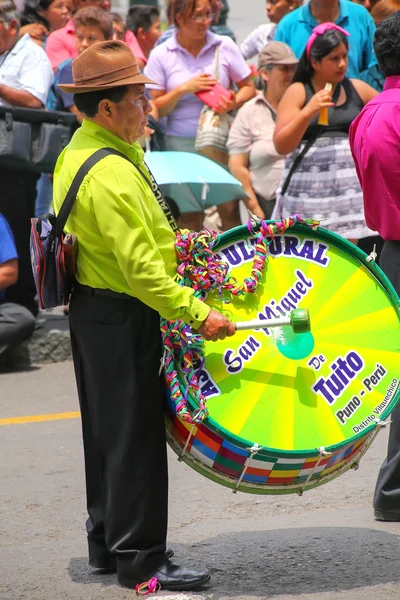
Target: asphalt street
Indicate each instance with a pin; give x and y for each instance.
(322, 546)
(325, 545)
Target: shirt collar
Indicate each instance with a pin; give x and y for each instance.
(133, 151)
(19, 45)
(70, 27)
(392, 82)
(211, 40)
(305, 15)
(262, 99)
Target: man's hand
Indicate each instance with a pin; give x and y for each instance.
(216, 327)
(8, 273)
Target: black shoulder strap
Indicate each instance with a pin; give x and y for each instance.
(80, 176)
(273, 113)
(74, 188)
(314, 136)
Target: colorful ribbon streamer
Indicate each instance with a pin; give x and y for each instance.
(201, 269)
(148, 587)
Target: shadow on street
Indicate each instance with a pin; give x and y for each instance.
(295, 561)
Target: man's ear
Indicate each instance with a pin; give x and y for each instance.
(13, 27)
(264, 75)
(179, 19)
(140, 33)
(104, 108)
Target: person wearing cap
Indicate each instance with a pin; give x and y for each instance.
(252, 155)
(124, 282)
(323, 183)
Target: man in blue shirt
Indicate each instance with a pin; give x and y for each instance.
(296, 27)
(16, 322)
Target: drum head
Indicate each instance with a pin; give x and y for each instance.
(298, 392)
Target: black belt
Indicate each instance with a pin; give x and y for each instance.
(89, 291)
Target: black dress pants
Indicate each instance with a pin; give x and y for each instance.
(387, 491)
(17, 204)
(116, 346)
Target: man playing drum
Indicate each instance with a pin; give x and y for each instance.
(125, 280)
(375, 142)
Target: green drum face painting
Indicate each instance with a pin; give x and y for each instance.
(292, 408)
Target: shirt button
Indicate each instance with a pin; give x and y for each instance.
(191, 322)
(197, 316)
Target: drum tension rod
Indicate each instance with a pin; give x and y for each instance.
(189, 437)
(253, 451)
(379, 425)
(373, 256)
(195, 416)
(322, 454)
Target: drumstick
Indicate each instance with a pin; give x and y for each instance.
(323, 113)
(299, 320)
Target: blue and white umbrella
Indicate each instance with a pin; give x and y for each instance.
(193, 181)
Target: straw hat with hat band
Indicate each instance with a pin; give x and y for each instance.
(276, 53)
(102, 66)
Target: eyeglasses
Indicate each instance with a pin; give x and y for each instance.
(201, 18)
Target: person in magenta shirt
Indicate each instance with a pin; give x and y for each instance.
(375, 144)
(61, 44)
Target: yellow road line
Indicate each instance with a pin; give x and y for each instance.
(39, 418)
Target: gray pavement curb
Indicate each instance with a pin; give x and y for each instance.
(48, 346)
(45, 346)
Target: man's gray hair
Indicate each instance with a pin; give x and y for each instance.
(8, 11)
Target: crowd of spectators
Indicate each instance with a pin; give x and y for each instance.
(271, 125)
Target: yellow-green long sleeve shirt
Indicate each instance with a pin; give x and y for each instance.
(124, 239)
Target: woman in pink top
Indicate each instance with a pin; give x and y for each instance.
(184, 65)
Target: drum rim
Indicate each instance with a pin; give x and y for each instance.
(376, 271)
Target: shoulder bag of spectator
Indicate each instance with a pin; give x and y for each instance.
(32, 139)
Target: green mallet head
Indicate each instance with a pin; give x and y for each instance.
(300, 320)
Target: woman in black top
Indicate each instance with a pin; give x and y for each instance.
(324, 184)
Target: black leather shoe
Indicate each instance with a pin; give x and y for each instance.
(108, 563)
(171, 577)
(386, 515)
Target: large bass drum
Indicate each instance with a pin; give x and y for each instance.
(288, 412)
